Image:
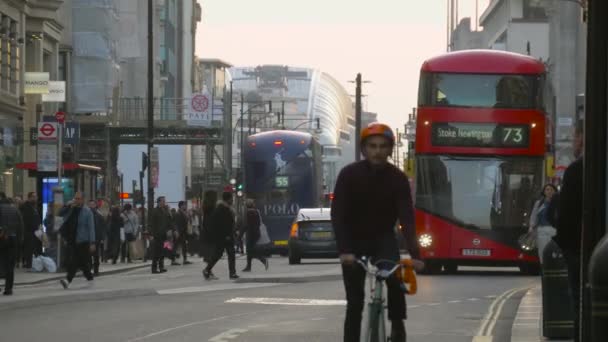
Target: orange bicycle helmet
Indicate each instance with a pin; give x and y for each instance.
(376, 128)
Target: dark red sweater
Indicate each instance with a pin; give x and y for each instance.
(367, 203)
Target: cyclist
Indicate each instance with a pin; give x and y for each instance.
(369, 197)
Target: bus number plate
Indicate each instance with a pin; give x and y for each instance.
(476, 252)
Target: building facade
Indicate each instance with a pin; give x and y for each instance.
(31, 40)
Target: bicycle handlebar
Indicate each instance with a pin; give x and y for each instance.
(408, 277)
(380, 272)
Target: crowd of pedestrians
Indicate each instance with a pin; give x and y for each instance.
(94, 233)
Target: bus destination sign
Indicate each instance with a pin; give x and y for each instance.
(459, 134)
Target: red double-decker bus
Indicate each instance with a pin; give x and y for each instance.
(480, 156)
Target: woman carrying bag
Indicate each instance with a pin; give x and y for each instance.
(253, 233)
(540, 219)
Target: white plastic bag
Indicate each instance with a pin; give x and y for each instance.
(122, 234)
(264, 238)
(37, 265)
(49, 264)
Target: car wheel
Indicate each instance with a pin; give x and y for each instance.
(294, 259)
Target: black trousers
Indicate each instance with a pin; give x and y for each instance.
(228, 246)
(354, 283)
(183, 243)
(253, 253)
(574, 278)
(79, 257)
(8, 258)
(27, 250)
(158, 258)
(95, 258)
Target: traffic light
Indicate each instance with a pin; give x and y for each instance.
(144, 161)
(125, 195)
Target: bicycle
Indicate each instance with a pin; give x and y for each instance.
(375, 331)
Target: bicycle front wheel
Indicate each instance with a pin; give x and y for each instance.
(376, 332)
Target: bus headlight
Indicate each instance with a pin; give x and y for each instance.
(425, 240)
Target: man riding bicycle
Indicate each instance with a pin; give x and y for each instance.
(369, 197)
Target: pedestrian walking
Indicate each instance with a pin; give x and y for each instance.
(540, 221)
(131, 223)
(570, 221)
(160, 224)
(101, 227)
(78, 230)
(49, 225)
(183, 225)
(32, 246)
(222, 236)
(252, 235)
(115, 238)
(194, 246)
(207, 245)
(11, 233)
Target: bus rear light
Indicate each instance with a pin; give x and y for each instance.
(294, 230)
(533, 125)
(426, 123)
(425, 240)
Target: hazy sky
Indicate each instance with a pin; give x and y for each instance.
(385, 40)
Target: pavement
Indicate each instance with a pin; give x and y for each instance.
(527, 325)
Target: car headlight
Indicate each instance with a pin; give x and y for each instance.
(425, 240)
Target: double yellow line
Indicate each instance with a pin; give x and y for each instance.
(486, 330)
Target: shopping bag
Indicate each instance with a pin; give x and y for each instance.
(37, 265)
(48, 264)
(264, 237)
(136, 249)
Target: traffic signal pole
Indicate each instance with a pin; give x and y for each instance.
(150, 104)
(358, 111)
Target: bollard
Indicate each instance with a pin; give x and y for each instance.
(558, 315)
(598, 277)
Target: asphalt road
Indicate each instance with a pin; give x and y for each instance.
(181, 306)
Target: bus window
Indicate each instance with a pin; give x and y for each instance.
(480, 90)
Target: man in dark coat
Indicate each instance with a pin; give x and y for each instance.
(570, 221)
(222, 236)
(101, 227)
(182, 220)
(160, 224)
(31, 222)
(11, 232)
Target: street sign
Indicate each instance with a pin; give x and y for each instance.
(71, 133)
(154, 166)
(47, 131)
(56, 92)
(36, 83)
(199, 111)
(60, 117)
(46, 158)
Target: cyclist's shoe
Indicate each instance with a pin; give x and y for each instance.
(397, 331)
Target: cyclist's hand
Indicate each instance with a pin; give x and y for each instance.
(347, 259)
(418, 265)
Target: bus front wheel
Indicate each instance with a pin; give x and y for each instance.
(431, 267)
